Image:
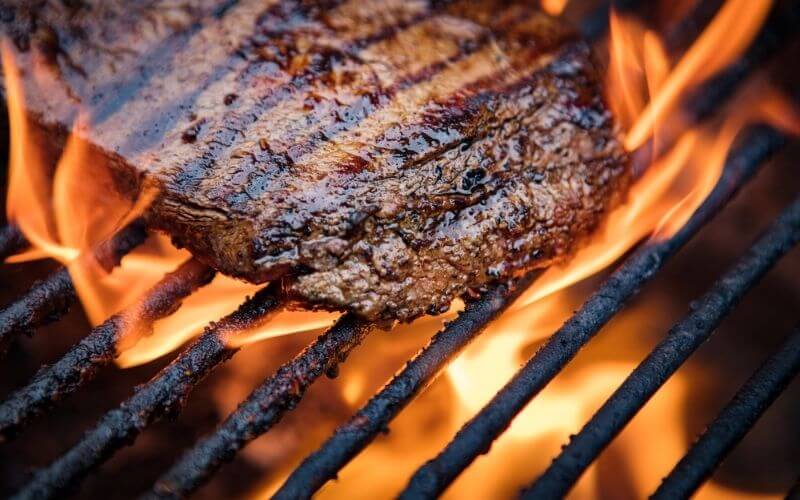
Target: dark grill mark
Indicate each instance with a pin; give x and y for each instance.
(298, 15)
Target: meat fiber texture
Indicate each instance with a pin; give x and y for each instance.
(380, 156)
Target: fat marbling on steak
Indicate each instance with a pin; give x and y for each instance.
(380, 156)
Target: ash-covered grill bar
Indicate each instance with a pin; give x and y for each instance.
(264, 408)
(99, 347)
(162, 396)
(48, 300)
(165, 394)
(45, 302)
(374, 417)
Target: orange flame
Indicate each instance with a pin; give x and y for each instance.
(554, 7)
(643, 90)
(728, 35)
(675, 184)
(28, 200)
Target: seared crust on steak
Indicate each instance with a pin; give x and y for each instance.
(380, 156)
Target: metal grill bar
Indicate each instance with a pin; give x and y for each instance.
(11, 241)
(352, 437)
(45, 302)
(477, 435)
(163, 395)
(263, 408)
(49, 299)
(683, 339)
(757, 394)
(99, 348)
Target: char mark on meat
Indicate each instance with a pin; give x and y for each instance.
(380, 156)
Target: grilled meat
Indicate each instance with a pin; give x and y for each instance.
(380, 156)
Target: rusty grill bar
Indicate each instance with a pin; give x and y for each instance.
(165, 393)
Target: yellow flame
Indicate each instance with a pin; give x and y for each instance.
(728, 35)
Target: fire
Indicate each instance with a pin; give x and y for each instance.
(28, 189)
(676, 183)
(644, 91)
(65, 211)
(728, 35)
(553, 7)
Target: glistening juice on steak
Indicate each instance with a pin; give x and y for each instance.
(383, 157)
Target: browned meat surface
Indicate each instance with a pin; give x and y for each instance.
(382, 156)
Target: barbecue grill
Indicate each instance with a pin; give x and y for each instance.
(165, 394)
